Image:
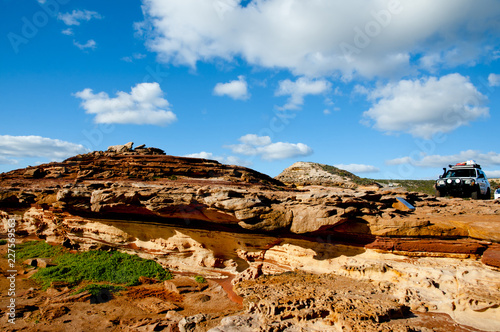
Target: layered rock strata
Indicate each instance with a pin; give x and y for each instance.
(442, 256)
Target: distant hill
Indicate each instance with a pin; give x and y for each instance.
(308, 173)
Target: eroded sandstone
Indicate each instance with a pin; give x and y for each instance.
(225, 221)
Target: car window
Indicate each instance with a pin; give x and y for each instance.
(460, 173)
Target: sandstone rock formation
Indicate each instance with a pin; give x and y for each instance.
(308, 173)
(233, 221)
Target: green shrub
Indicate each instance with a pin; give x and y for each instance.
(2, 242)
(37, 249)
(98, 266)
(200, 279)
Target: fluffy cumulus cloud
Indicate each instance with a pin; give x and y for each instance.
(254, 145)
(358, 168)
(426, 106)
(323, 37)
(484, 159)
(237, 89)
(494, 79)
(302, 87)
(36, 146)
(145, 104)
(77, 16)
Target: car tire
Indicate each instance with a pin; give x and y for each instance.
(440, 193)
(488, 194)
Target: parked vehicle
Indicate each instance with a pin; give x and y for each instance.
(463, 180)
(496, 194)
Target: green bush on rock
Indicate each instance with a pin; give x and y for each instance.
(95, 265)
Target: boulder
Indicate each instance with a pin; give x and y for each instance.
(491, 256)
(189, 324)
(121, 148)
(35, 173)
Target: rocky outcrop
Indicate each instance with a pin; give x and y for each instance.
(441, 255)
(169, 189)
(121, 148)
(307, 174)
(140, 164)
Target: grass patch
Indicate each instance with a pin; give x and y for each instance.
(423, 186)
(37, 249)
(200, 279)
(101, 266)
(94, 266)
(2, 242)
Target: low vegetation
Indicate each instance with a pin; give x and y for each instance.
(423, 186)
(200, 279)
(37, 249)
(354, 178)
(95, 266)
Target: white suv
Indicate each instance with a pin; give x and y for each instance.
(465, 180)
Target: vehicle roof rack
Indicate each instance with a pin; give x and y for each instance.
(465, 166)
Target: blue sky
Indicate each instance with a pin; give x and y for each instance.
(385, 89)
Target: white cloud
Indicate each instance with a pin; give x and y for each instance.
(67, 32)
(237, 89)
(323, 37)
(427, 106)
(202, 155)
(358, 168)
(438, 161)
(36, 146)
(7, 161)
(77, 16)
(135, 56)
(253, 145)
(232, 160)
(89, 44)
(302, 87)
(252, 139)
(494, 79)
(144, 104)
(430, 62)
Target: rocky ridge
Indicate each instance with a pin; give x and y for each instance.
(308, 173)
(356, 233)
